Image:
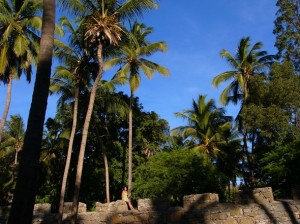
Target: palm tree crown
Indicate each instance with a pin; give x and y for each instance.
(207, 126)
(133, 56)
(247, 62)
(19, 40)
(19, 43)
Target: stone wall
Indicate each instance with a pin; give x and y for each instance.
(257, 207)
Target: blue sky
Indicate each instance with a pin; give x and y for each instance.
(195, 31)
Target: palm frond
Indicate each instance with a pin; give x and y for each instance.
(132, 8)
(134, 81)
(20, 45)
(154, 47)
(108, 64)
(223, 77)
(3, 58)
(229, 58)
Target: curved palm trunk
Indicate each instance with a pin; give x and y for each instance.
(106, 176)
(7, 105)
(130, 146)
(68, 160)
(26, 188)
(16, 157)
(84, 137)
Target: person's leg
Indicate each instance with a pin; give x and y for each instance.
(130, 205)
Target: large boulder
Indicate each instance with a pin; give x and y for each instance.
(68, 207)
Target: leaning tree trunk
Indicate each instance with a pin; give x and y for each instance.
(84, 137)
(26, 188)
(7, 105)
(106, 175)
(68, 160)
(16, 157)
(17, 150)
(130, 146)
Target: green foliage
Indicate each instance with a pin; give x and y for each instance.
(206, 126)
(171, 175)
(151, 134)
(109, 122)
(51, 163)
(281, 168)
(10, 147)
(231, 155)
(270, 123)
(270, 116)
(287, 28)
(271, 111)
(246, 63)
(134, 53)
(19, 37)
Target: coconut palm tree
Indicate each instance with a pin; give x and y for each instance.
(18, 43)
(229, 161)
(26, 188)
(133, 61)
(68, 81)
(246, 63)
(103, 29)
(11, 145)
(206, 126)
(14, 135)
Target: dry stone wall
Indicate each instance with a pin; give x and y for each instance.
(252, 207)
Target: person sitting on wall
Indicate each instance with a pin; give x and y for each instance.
(126, 199)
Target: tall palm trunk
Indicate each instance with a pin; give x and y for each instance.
(16, 158)
(249, 180)
(26, 188)
(130, 145)
(68, 160)
(84, 136)
(105, 160)
(106, 175)
(7, 104)
(17, 149)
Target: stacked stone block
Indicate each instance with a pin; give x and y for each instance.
(252, 207)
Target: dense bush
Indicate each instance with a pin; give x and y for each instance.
(171, 175)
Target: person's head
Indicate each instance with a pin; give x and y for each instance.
(124, 188)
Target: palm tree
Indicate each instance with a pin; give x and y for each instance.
(12, 142)
(230, 158)
(18, 43)
(68, 81)
(26, 188)
(103, 29)
(247, 63)
(14, 135)
(206, 127)
(133, 61)
(176, 141)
